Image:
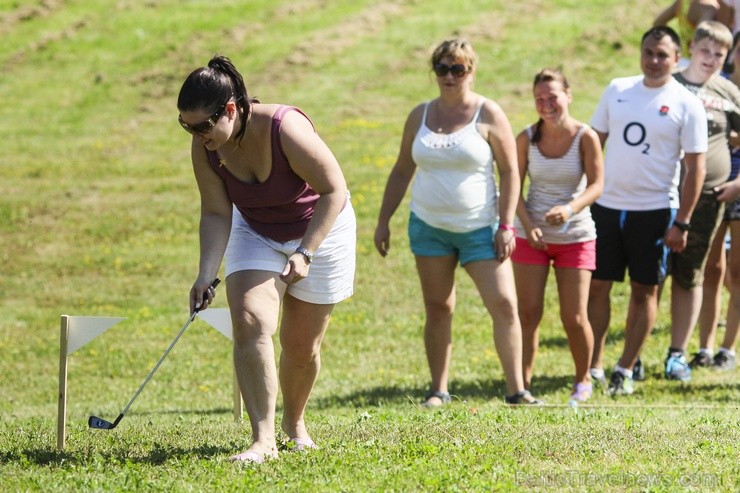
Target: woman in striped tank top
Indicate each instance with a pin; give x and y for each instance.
(562, 158)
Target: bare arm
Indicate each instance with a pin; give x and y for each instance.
(532, 233)
(398, 182)
(726, 15)
(702, 10)
(311, 159)
(668, 14)
(602, 137)
(695, 171)
(501, 139)
(730, 191)
(215, 225)
(593, 167)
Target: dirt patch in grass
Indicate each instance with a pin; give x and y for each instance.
(25, 13)
(327, 43)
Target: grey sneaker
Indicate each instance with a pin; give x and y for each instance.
(638, 371)
(702, 359)
(620, 384)
(676, 367)
(723, 360)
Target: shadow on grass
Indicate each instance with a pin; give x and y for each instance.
(201, 412)
(158, 455)
(714, 393)
(479, 390)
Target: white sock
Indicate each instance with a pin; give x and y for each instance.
(597, 373)
(728, 351)
(624, 371)
(704, 350)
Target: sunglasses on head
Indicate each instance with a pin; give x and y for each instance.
(203, 127)
(457, 70)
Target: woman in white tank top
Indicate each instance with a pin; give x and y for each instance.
(564, 162)
(457, 215)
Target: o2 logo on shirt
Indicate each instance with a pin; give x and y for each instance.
(634, 135)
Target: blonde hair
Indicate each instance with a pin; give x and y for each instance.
(455, 48)
(713, 31)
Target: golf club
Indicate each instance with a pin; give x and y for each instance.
(102, 424)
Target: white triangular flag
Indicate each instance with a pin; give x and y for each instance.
(84, 329)
(219, 319)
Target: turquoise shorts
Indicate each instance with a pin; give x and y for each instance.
(428, 241)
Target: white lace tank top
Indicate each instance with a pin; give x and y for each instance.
(557, 181)
(455, 187)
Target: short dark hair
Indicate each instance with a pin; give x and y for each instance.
(659, 32)
(729, 66)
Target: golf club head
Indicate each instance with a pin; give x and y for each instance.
(101, 424)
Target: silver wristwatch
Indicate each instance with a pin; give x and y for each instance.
(306, 253)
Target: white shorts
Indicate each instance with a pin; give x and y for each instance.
(331, 274)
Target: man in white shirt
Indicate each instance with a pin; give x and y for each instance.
(646, 122)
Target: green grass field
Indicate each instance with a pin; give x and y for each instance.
(99, 213)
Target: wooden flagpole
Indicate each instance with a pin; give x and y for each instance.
(63, 358)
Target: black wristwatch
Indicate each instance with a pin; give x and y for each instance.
(682, 226)
(306, 253)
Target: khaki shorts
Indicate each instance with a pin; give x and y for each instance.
(687, 267)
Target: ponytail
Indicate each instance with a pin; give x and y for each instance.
(209, 88)
(537, 132)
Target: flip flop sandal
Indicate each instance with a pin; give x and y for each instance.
(442, 396)
(523, 397)
(299, 445)
(250, 456)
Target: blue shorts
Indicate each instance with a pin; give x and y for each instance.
(428, 241)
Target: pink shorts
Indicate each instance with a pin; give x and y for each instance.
(569, 255)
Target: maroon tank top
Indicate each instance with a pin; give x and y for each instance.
(280, 207)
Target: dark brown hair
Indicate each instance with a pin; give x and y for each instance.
(209, 88)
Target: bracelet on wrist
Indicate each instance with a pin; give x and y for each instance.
(307, 254)
(507, 227)
(570, 211)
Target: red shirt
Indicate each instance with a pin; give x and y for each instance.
(280, 207)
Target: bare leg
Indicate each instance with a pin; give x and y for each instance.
(599, 314)
(495, 283)
(685, 308)
(437, 276)
(530, 291)
(714, 273)
(254, 299)
(573, 285)
(641, 314)
(733, 312)
(302, 329)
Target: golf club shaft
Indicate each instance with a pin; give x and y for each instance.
(151, 373)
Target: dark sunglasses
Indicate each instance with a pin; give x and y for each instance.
(203, 127)
(457, 70)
